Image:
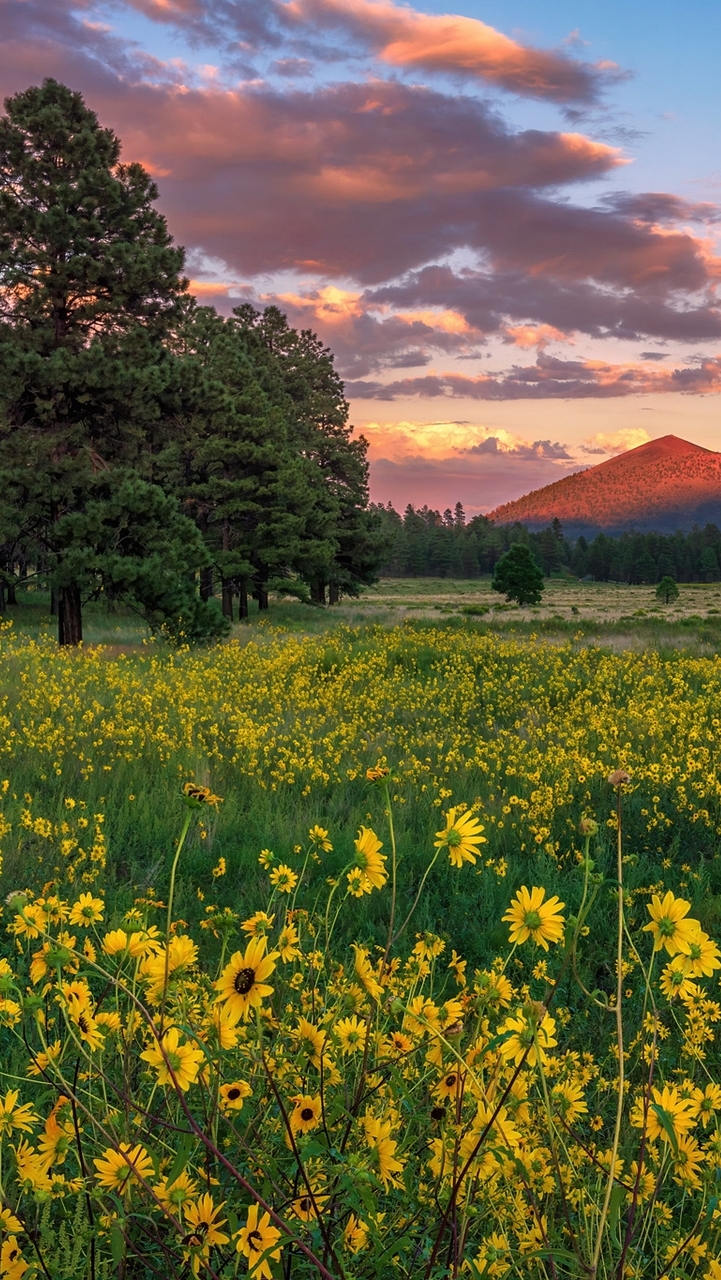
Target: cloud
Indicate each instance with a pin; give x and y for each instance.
(405, 37)
(615, 441)
(481, 481)
(551, 379)
(529, 452)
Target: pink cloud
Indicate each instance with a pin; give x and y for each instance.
(551, 378)
(405, 37)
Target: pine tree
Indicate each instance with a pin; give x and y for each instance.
(89, 281)
(518, 575)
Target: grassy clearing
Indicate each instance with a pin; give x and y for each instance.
(284, 724)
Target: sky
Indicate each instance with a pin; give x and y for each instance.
(503, 218)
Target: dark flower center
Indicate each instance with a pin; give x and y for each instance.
(307, 1113)
(233, 1094)
(450, 1081)
(305, 1205)
(83, 1024)
(255, 1240)
(243, 981)
(437, 1113)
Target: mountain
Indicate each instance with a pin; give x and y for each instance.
(663, 485)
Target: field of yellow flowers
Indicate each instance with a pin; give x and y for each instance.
(431, 991)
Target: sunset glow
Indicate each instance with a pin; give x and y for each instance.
(476, 210)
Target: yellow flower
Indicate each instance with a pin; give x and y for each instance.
(364, 970)
(371, 862)
(255, 926)
(288, 948)
(383, 1148)
(669, 1115)
(283, 878)
(116, 1168)
(531, 917)
(703, 956)
(183, 1060)
(196, 796)
(352, 1034)
(12, 1264)
(674, 981)
(319, 837)
(706, 1103)
(175, 1195)
(306, 1114)
(204, 1231)
(527, 1035)
(87, 910)
(233, 1095)
(461, 837)
(310, 1040)
(14, 1117)
(242, 983)
(668, 926)
(355, 1234)
(257, 1241)
(219, 869)
(569, 1100)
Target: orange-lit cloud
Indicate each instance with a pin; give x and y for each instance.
(607, 442)
(406, 37)
(534, 335)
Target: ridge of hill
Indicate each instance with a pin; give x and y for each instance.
(665, 484)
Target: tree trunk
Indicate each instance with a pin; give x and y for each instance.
(228, 598)
(260, 588)
(333, 592)
(206, 582)
(53, 602)
(70, 616)
(2, 595)
(317, 591)
(243, 600)
(12, 598)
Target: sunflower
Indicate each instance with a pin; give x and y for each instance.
(204, 1225)
(13, 1117)
(87, 910)
(175, 1195)
(528, 1037)
(242, 983)
(530, 917)
(355, 1234)
(372, 863)
(668, 1116)
(461, 837)
(306, 1114)
(283, 878)
(668, 926)
(706, 1103)
(288, 948)
(674, 981)
(703, 956)
(687, 1158)
(450, 1085)
(257, 1241)
(183, 1060)
(383, 1149)
(232, 1096)
(319, 837)
(116, 1168)
(196, 797)
(310, 1041)
(569, 1101)
(305, 1206)
(352, 1034)
(12, 1264)
(255, 926)
(364, 970)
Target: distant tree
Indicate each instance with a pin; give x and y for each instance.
(644, 569)
(667, 590)
(518, 575)
(708, 565)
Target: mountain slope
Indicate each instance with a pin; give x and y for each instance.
(665, 485)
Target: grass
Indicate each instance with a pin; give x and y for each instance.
(504, 709)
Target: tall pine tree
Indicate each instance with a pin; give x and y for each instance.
(89, 282)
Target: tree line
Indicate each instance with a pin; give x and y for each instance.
(423, 542)
(152, 451)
